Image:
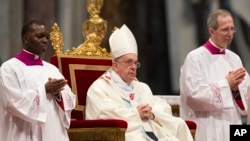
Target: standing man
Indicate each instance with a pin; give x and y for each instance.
(118, 94)
(213, 82)
(35, 100)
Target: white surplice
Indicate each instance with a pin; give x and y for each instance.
(27, 113)
(206, 96)
(248, 109)
(106, 99)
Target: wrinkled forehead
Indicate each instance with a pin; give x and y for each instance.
(128, 56)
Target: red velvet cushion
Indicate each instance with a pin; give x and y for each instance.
(191, 124)
(99, 123)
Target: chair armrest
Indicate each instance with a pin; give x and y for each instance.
(192, 127)
(191, 124)
(99, 123)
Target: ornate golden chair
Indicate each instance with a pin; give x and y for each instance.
(81, 66)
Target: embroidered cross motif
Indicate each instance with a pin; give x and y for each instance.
(107, 77)
(131, 96)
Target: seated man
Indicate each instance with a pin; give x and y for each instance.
(118, 94)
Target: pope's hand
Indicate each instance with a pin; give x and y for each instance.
(145, 111)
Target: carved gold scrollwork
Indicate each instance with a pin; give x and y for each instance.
(56, 38)
(93, 30)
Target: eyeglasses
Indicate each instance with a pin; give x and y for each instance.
(130, 63)
(227, 30)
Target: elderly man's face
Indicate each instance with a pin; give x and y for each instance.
(126, 66)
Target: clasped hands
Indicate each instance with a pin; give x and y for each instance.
(234, 78)
(54, 86)
(145, 111)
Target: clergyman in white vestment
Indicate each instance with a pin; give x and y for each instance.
(213, 83)
(118, 94)
(35, 100)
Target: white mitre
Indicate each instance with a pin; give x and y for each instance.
(122, 41)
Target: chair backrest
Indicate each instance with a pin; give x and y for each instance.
(85, 63)
(81, 72)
